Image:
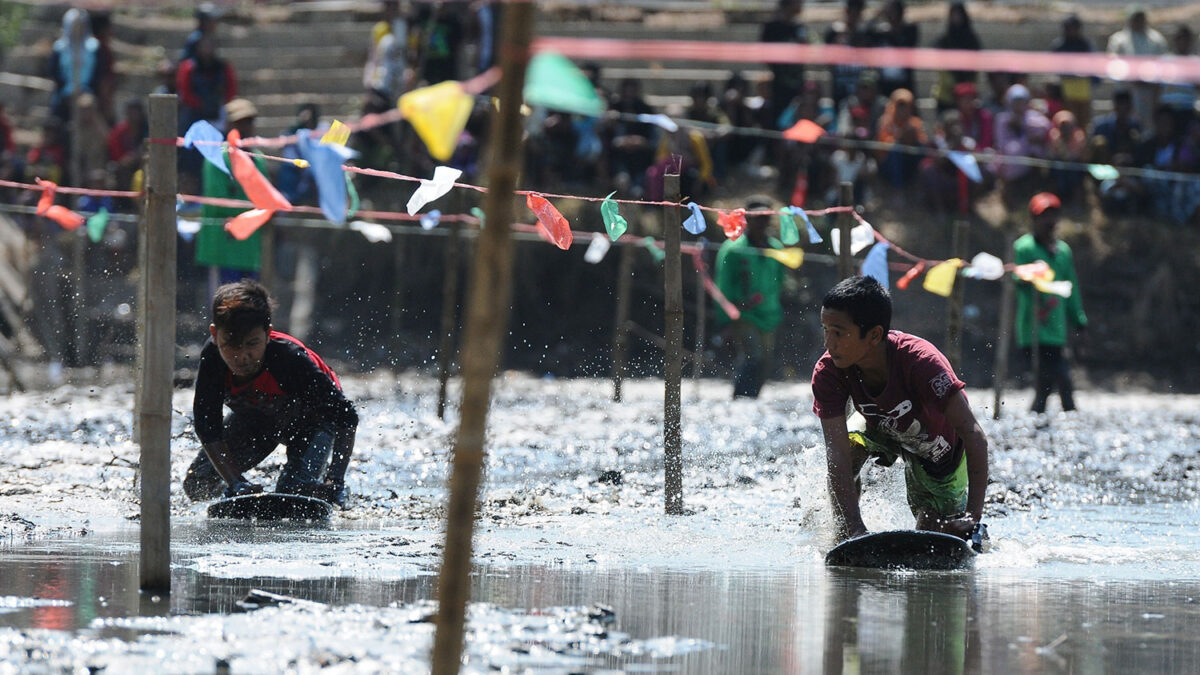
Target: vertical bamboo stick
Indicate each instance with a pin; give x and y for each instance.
(673, 366)
(620, 349)
(1003, 341)
(845, 261)
(954, 308)
(449, 313)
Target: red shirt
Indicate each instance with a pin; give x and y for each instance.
(910, 409)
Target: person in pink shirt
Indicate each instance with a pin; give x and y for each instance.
(1020, 132)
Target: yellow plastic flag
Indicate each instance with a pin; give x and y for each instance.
(338, 134)
(939, 280)
(788, 257)
(438, 113)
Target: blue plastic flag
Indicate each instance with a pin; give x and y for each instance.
(966, 163)
(210, 146)
(325, 162)
(814, 237)
(875, 264)
(430, 220)
(695, 223)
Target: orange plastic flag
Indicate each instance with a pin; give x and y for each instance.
(47, 198)
(912, 273)
(553, 224)
(733, 222)
(65, 217)
(940, 278)
(805, 131)
(246, 223)
(258, 189)
(439, 114)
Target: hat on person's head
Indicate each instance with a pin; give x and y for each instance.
(1134, 9)
(240, 109)
(1042, 201)
(1017, 92)
(759, 203)
(966, 89)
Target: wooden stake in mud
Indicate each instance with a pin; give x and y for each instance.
(673, 365)
(1003, 340)
(701, 319)
(620, 349)
(156, 347)
(487, 315)
(449, 313)
(845, 261)
(954, 309)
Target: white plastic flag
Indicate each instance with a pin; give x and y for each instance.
(441, 183)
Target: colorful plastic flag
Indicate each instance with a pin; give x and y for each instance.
(614, 222)
(791, 258)
(789, 234)
(187, 229)
(555, 227)
(940, 278)
(912, 273)
(206, 139)
(659, 120)
(430, 220)
(597, 249)
(875, 264)
(984, 266)
(431, 189)
(1103, 172)
(1060, 288)
(247, 223)
(258, 189)
(967, 164)
(325, 162)
(814, 237)
(352, 192)
(1038, 269)
(439, 114)
(479, 215)
(373, 232)
(805, 131)
(695, 223)
(68, 219)
(96, 224)
(47, 198)
(553, 81)
(732, 222)
(338, 134)
(655, 252)
(861, 236)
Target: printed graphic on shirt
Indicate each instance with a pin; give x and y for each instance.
(912, 438)
(941, 384)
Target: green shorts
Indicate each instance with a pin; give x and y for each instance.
(944, 496)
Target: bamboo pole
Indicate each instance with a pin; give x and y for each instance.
(449, 314)
(157, 348)
(845, 261)
(76, 338)
(701, 319)
(1003, 341)
(487, 316)
(673, 364)
(620, 349)
(954, 308)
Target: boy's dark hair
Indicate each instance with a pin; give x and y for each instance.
(865, 300)
(241, 306)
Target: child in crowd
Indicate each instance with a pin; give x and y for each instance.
(278, 391)
(914, 407)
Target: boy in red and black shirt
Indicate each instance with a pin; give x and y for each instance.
(277, 391)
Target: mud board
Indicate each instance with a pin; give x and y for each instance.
(907, 549)
(270, 506)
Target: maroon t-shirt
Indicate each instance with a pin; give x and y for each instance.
(910, 409)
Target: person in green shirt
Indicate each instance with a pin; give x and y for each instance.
(752, 282)
(214, 246)
(1048, 312)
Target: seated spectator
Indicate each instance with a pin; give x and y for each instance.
(685, 151)
(1077, 91)
(804, 167)
(1020, 132)
(703, 108)
(862, 109)
(1067, 142)
(93, 141)
(977, 122)
(1163, 150)
(205, 84)
(1116, 138)
(850, 31)
(740, 109)
(901, 128)
(127, 144)
(630, 143)
(294, 182)
(47, 159)
(946, 189)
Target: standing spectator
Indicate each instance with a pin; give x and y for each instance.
(296, 184)
(206, 26)
(441, 43)
(786, 78)
(1181, 97)
(1137, 38)
(889, 29)
(93, 140)
(959, 34)
(1067, 142)
(1046, 313)
(850, 32)
(73, 62)
(215, 248)
(386, 70)
(1020, 132)
(127, 142)
(1076, 91)
(902, 129)
(630, 144)
(205, 83)
(752, 282)
(106, 64)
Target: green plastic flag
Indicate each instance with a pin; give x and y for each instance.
(96, 225)
(789, 234)
(556, 83)
(655, 252)
(613, 222)
(478, 213)
(1103, 172)
(353, 195)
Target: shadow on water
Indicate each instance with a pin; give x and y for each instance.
(804, 619)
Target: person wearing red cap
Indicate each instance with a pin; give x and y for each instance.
(1046, 313)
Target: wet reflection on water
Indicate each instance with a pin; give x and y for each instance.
(804, 619)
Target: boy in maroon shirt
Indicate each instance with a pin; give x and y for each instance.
(914, 406)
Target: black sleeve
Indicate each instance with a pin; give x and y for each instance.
(316, 393)
(210, 395)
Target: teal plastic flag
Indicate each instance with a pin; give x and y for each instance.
(1103, 172)
(353, 195)
(556, 83)
(613, 221)
(655, 252)
(96, 224)
(478, 213)
(789, 234)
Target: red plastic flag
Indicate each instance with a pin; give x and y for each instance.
(912, 273)
(65, 217)
(246, 223)
(733, 222)
(257, 187)
(554, 225)
(805, 131)
(47, 198)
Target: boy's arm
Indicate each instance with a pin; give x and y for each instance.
(840, 463)
(958, 414)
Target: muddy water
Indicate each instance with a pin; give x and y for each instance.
(1095, 565)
